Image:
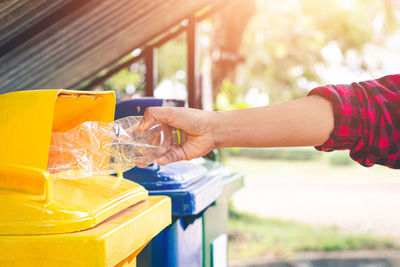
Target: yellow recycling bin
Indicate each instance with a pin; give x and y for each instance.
(48, 221)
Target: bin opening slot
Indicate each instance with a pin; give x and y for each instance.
(72, 109)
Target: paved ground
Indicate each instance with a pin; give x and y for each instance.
(351, 197)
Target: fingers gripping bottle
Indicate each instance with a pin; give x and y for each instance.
(98, 148)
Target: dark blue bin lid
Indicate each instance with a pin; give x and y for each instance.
(135, 107)
(191, 186)
(176, 175)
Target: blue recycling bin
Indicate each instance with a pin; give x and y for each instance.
(199, 191)
(192, 190)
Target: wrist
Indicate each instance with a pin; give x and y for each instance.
(217, 127)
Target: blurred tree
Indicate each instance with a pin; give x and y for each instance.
(120, 81)
(283, 42)
(230, 97)
(172, 57)
(226, 40)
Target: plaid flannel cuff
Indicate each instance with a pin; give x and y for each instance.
(346, 132)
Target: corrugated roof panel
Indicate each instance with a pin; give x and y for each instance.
(14, 12)
(86, 39)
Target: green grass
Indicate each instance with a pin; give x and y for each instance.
(336, 158)
(291, 154)
(251, 236)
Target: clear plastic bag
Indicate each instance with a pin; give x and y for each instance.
(98, 148)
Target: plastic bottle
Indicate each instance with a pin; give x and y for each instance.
(98, 148)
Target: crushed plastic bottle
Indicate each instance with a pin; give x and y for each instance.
(98, 148)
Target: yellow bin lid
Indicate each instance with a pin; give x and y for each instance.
(34, 202)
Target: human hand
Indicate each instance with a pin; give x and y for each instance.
(195, 123)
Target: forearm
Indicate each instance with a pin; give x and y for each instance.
(303, 122)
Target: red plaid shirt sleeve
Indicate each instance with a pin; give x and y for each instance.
(367, 120)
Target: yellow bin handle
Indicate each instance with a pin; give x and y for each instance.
(26, 182)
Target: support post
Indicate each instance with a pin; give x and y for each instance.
(194, 90)
(150, 57)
